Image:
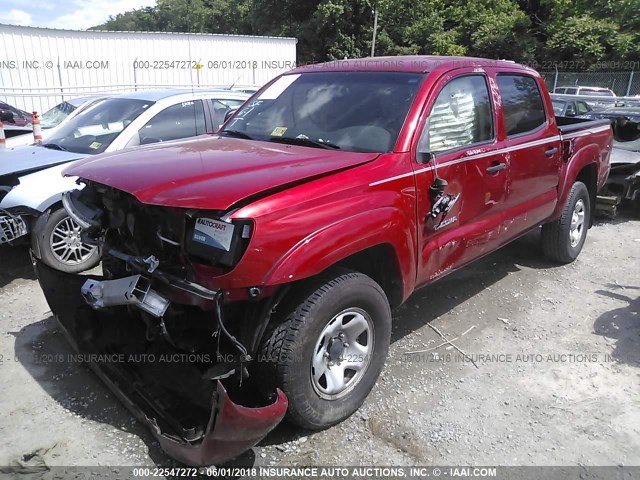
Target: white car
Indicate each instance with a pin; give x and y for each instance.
(52, 118)
(31, 184)
(585, 91)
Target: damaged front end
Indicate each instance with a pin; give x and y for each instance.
(12, 225)
(158, 339)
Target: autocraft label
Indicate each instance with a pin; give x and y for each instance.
(214, 233)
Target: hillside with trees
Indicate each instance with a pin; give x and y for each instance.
(541, 32)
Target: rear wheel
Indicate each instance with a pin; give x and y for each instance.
(327, 349)
(563, 239)
(60, 246)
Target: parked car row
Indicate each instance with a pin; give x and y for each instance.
(31, 184)
(270, 254)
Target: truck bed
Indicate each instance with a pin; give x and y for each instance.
(573, 124)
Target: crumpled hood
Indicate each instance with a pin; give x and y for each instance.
(22, 160)
(212, 173)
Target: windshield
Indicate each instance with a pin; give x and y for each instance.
(93, 130)
(53, 117)
(596, 93)
(558, 106)
(353, 111)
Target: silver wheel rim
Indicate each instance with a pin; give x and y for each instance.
(66, 245)
(342, 353)
(577, 223)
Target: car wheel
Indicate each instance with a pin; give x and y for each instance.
(60, 246)
(563, 239)
(327, 349)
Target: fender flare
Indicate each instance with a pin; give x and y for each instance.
(330, 244)
(587, 155)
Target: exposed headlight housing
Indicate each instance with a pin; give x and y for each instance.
(214, 240)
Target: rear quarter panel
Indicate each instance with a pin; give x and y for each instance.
(589, 146)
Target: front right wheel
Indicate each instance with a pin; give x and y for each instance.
(562, 240)
(60, 245)
(327, 348)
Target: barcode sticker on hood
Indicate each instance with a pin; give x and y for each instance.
(214, 233)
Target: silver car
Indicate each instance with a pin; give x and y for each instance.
(31, 184)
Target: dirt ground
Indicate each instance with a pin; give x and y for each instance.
(557, 350)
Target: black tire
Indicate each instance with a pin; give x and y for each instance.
(556, 236)
(285, 356)
(42, 242)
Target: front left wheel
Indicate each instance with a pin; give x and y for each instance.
(326, 349)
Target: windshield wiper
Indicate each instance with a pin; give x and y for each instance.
(54, 146)
(305, 142)
(236, 133)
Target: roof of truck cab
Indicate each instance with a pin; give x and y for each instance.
(408, 63)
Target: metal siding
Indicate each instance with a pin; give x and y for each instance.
(40, 89)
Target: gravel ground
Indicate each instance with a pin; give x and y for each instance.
(555, 380)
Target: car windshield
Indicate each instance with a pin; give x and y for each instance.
(93, 130)
(558, 106)
(352, 111)
(57, 114)
(596, 93)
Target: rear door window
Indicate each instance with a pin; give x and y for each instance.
(221, 107)
(522, 104)
(582, 108)
(183, 120)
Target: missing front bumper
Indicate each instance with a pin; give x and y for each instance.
(11, 228)
(197, 421)
(135, 290)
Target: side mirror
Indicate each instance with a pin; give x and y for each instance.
(227, 115)
(7, 116)
(571, 112)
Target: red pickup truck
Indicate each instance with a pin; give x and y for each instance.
(252, 274)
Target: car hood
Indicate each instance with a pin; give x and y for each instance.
(212, 173)
(21, 160)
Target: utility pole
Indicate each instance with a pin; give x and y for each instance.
(375, 28)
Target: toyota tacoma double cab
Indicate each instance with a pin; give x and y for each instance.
(251, 275)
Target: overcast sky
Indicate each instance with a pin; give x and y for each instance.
(69, 14)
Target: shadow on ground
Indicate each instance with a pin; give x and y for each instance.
(76, 388)
(44, 352)
(15, 263)
(622, 325)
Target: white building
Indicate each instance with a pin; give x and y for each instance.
(40, 67)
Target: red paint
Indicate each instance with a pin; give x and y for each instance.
(311, 208)
(232, 430)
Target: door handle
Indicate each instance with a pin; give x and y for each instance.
(496, 168)
(551, 152)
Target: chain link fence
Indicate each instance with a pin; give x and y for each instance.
(624, 84)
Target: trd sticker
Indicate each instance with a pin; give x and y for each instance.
(443, 206)
(214, 233)
(446, 222)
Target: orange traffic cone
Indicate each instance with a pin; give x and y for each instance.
(2, 142)
(37, 131)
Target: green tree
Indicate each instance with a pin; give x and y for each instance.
(522, 30)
